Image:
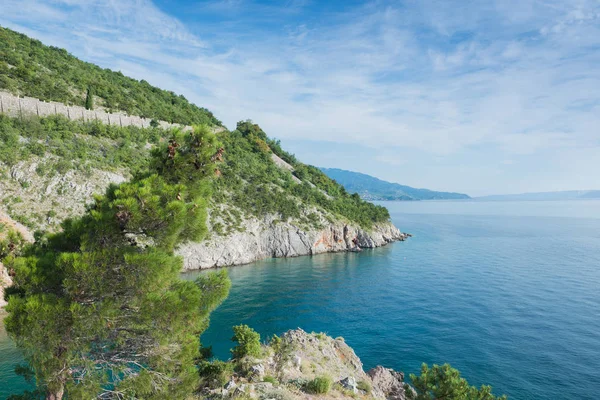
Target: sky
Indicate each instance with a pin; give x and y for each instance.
(473, 96)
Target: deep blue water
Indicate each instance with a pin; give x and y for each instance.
(507, 292)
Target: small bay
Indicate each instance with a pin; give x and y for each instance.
(507, 292)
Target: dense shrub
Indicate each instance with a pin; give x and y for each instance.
(78, 144)
(319, 385)
(216, 373)
(11, 242)
(248, 342)
(445, 382)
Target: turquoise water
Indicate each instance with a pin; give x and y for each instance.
(9, 357)
(507, 292)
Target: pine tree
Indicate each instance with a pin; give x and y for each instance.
(445, 382)
(89, 99)
(99, 309)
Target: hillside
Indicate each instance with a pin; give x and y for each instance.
(29, 68)
(265, 203)
(54, 159)
(371, 188)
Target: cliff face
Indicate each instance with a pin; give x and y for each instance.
(267, 238)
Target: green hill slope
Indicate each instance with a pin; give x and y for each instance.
(30, 68)
(50, 167)
(371, 188)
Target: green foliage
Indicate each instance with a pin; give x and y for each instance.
(248, 342)
(99, 309)
(270, 379)
(275, 343)
(364, 386)
(52, 74)
(76, 144)
(187, 157)
(215, 374)
(89, 99)
(250, 181)
(11, 242)
(445, 382)
(253, 183)
(319, 385)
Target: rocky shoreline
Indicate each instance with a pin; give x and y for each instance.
(266, 238)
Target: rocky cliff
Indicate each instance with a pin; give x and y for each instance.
(268, 237)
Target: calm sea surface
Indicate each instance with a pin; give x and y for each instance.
(507, 292)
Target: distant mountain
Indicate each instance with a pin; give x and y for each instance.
(592, 194)
(564, 195)
(371, 188)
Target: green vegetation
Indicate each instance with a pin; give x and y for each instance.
(99, 309)
(319, 385)
(271, 379)
(11, 242)
(27, 67)
(253, 183)
(364, 386)
(89, 99)
(445, 382)
(215, 374)
(248, 342)
(76, 145)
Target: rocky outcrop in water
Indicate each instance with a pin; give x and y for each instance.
(260, 239)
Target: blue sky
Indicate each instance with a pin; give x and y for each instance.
(482, 97)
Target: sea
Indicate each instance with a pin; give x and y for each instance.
(506, 292)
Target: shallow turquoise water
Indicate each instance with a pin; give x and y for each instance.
(509, 293)
(9, 357)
